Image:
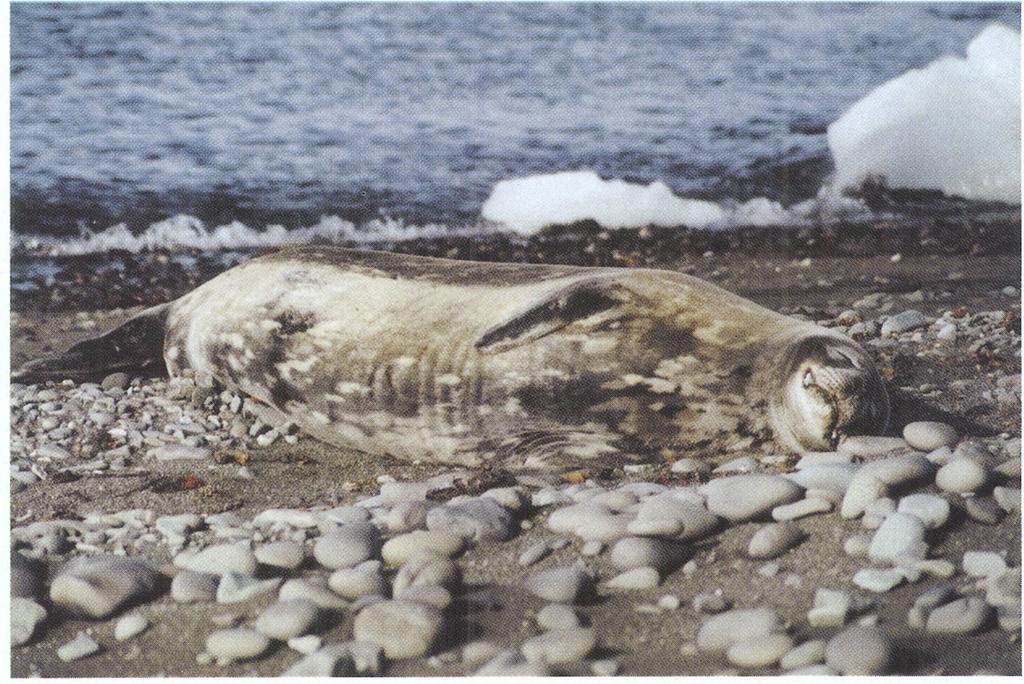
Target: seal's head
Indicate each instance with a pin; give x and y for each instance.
(830, 389)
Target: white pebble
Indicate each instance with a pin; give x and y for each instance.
(561, 585)
(719, 632)
(287, 619)
(130, 626)
(229, 645)
(559, 646)
(931, 510)
(762, 651)
(637, 578)
(80, 647)
(961, 475)
(860, 651)
(404, 629)
(771, 541)
(740, 498)
(929, 436)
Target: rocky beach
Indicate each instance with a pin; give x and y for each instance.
(161, 527)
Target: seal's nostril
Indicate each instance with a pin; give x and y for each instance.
(808, 378)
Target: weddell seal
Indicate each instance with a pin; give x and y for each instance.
(521, 365)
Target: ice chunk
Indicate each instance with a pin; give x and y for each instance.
(952, 126)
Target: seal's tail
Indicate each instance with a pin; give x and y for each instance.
(136, 345)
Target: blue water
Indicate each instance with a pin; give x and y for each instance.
(135, 112)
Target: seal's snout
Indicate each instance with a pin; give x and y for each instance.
(834, 390)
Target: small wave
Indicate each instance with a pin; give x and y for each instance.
(184, 232)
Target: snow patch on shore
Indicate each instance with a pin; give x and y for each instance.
(952, 126)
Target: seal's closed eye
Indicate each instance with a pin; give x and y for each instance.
(569, 304)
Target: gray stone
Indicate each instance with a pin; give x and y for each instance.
(312, 591)
(398, 550)
(963, 616)
(404, 629)
(961, 475)
(903, 322)
(427, 568)
(559, 646)
(130, 626)
(353, 583)
(241, 643)
(771, 541)
(561, 585)
(637, 578)
(931, 510)
(288, 555)
(80, 647)
(288, 619)
(479, 520)
(740, 498)
(638, 552)
(929, 435)
(98, 586)
(193, 587)
(719, 632)
(26, 616)
(219, 559)
(862, 651)
(557, 616)
(347, 545)
(763, 651)
(237, 588)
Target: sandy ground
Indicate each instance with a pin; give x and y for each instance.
(494, 605)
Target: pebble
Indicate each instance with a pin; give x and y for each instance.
(637, 578)
(236, 588)
(905, 321)
(929, 435)
(719, 632)
(80, 647)
(926, 602)
(310, 643)
(98, 586)
(217, 560)
(426, 593)
(878, 580)
(687, 466)
(561, 585)
(710, 602)
(333, 660)
(983, 564)
(801, 509)
(478, 520)
(559, 646)
(180, 452)
(861, 651)
(26, 576)
(743, 464)
(193, 587)
(287, 619)
(115, 381)
(857, 545)
(602, 525)
(637, 552)
(476, 652)
(762, 651)
(808, 653)
(740, 498)
(347, 545)
(961, 475)
(428, 569)
(398, 550)
(864, 489)
(869, 445)
(771, 541)
(931, 510)
(963, 616)
(130, 626)
(406, 516)
(534, 554)
(308, 589)
(900, 537)
(240, 643)
(1004, 590)
(288, 555)
(353, 583)
(604, 668)
(1008, 498)
(591, 548)
(404, 629)
(669, 602)
(557, 616)
(830, 608)
(26, 616)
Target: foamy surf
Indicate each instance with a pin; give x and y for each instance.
(184, 232)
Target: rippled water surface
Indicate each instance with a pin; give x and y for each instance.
(138, 111)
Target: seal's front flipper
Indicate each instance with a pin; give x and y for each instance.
(579, 301)
(137, 345)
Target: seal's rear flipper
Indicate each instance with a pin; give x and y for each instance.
(137, 345)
